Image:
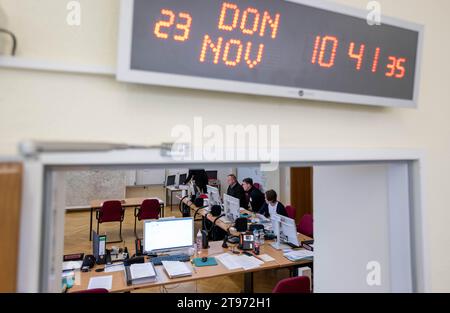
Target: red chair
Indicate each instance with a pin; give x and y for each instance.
(98, 290)
(291, 211)
(305, 226)
(111, 211)
(299, 284)
(149, 210)
(203, 196)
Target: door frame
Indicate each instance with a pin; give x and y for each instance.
(40, 234)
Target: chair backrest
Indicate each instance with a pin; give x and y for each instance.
(299, 284)
(305, 226)
(150, 209)
(111, 211)
(97, 290)
(291, 211)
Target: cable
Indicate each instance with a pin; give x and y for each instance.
(14, 40)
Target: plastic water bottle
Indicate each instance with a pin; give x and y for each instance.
(198, 241)
(256, 242)
(261, 237)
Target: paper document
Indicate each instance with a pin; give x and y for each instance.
(104, 282)
(72, 265)
(176, 269)
(142, 270)
(114, 268)
(298, 255)
(233, 262)
(266, 258)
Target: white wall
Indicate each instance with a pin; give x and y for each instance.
(61, 106)
(351, 200)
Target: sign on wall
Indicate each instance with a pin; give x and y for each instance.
(297, 49)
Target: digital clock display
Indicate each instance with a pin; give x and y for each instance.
(289, 45)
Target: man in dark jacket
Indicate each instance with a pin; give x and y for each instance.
(200, 177)
(254, 196)
(272, 206)
(236, 190)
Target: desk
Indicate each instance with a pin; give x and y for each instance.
(171, 189)
(126, 203)
(119, 282)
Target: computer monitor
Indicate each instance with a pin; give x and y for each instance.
(232, 207)
(213, 196)
(182, 179)
(211, 174)
(168, 234)
(288, 229)
(170, 180)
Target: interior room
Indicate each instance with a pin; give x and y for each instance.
(293, 185)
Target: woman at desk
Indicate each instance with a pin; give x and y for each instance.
(272, 206)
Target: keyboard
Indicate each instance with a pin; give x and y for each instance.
(176, 257)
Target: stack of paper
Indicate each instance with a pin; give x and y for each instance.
(176, 269)
(71, 265)
(140, 273)
(298, 255)
(233, 262)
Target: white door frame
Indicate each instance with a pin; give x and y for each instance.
(41, 222)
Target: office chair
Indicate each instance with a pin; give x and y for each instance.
(291, 211)
(258, 186)
(98, 290)
(111, 211)
(299, 284)
(149, 210)
(305, 226)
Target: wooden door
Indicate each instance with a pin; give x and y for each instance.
(10, 202)
(302, 190)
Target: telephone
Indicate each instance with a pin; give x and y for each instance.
(88, 263)
(246, 242)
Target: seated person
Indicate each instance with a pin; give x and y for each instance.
(236, 190)
(272, 206)
(255, 196)
(200, 178)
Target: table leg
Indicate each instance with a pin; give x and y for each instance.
(162, 209)
(248, 282)
(90, 225)
(171, 200)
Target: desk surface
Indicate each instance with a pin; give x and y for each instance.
(129, 202)
(119, 282)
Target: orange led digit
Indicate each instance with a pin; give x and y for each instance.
(186, 27)
(401, 68)
(376, 59)
(223, 14)
(253, 63)
(325, 41)
(392, 66)
(256, 18)
(165, 24)
(226, 53)
(316, 50)
(216, 49)
(273, 23)
(359, 56)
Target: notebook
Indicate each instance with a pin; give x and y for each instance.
(176, 269)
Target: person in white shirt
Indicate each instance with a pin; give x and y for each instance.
(272, 205)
